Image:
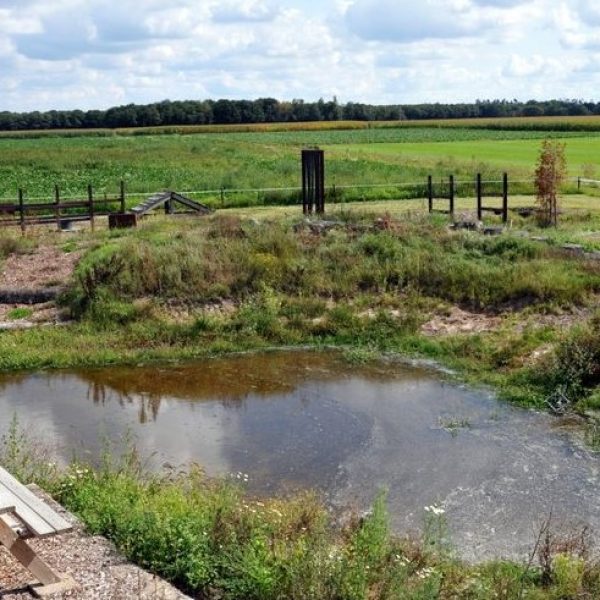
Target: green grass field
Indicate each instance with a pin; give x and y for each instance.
(516, 155)
(205, 162)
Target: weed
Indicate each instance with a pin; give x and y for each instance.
(572, 373)
(454, 424)
(361, 355)
(19, 313)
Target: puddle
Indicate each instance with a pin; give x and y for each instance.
(302, 419)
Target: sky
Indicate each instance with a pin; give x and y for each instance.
(64, 54)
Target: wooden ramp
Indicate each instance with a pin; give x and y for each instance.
(23, 515)
(167, 200)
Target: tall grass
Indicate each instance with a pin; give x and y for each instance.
(570, 375)
(422, 258)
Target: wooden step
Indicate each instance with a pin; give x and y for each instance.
(38, 516)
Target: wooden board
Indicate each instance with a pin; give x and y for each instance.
(16, 525)
(6, 506)
(35, 514)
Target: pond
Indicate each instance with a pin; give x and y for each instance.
(293, 420)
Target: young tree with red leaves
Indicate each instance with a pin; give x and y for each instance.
(550, 173)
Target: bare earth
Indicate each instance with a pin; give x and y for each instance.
(100, 571)
(46, 267)
(459, 321)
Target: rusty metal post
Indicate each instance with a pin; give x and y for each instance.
(306, 187)
(313, 181)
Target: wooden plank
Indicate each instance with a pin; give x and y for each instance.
(35, 513)
(34, 522)
(16, 525)
(6, 506)
(26, 555)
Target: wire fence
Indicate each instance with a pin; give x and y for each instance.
(225, 197)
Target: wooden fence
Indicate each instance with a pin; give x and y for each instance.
(59, 211)
(481, 191)
(442, 191)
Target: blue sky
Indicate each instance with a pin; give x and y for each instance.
(97, 53)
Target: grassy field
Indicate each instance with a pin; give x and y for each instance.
(250, 278)
(516, 156)
(270, 159)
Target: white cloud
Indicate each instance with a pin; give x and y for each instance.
(233, 11)
(405, 21)
(95, 53)
(528, 66)
(589, 11)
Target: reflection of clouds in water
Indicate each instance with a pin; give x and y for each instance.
(229, 380)
(58, 410)
(195, 436)
(210, 411)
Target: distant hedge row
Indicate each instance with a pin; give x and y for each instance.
(270, 110)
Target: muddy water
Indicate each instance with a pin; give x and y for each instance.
(304, 419)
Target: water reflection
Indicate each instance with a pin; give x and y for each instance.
(230, 381)
(308, 419)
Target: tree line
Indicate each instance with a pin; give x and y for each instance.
(270, 110)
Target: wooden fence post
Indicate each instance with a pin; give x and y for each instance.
(122, 197)
(22, 211)
(430, 192)
(451, 184)
(57, 206)
(479, 197)
(91, 203)
(313, 181)
(505, 198)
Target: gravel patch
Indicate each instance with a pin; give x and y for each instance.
(93, 562)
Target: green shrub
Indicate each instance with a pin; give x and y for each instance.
(571, 373)
(567, 572)
(236, 260)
